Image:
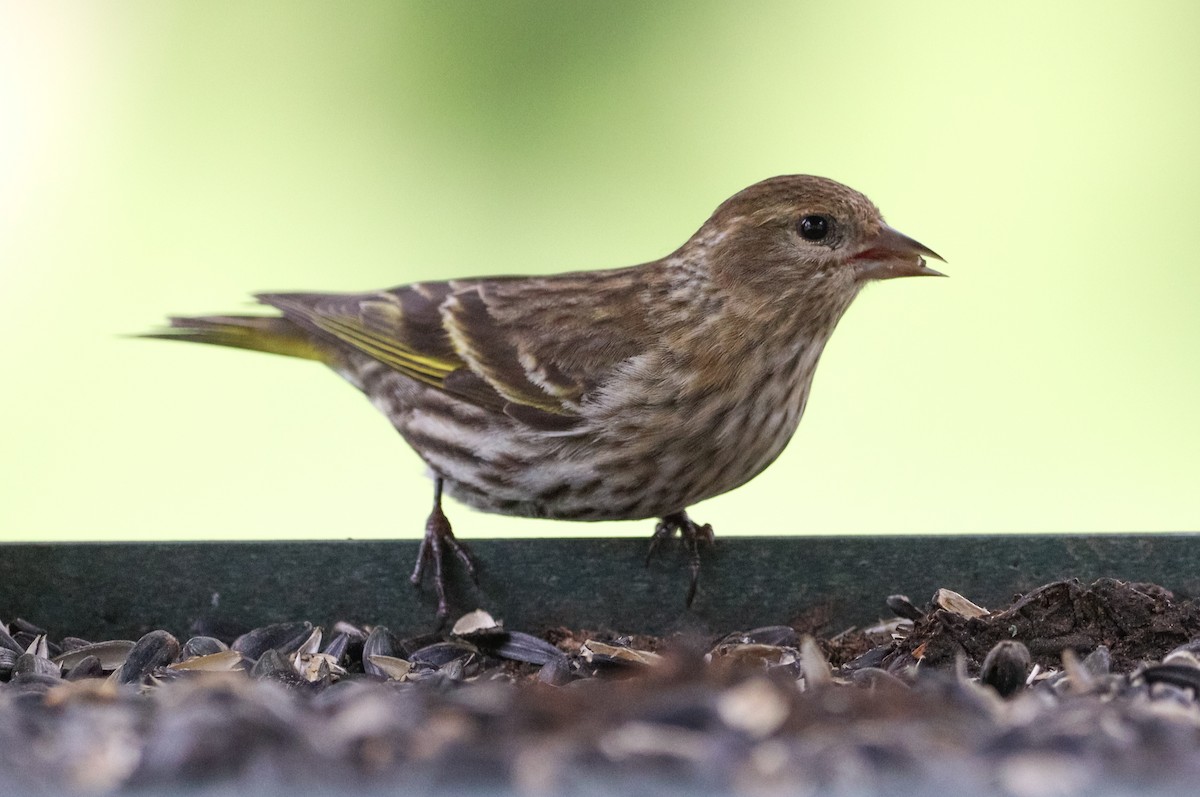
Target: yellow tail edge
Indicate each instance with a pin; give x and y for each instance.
(274, 335)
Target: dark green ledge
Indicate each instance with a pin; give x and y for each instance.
(112, 590)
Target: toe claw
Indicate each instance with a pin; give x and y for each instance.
(439, 538)
(422, 558)
(464, 555)
(662, 530)
(693, 536)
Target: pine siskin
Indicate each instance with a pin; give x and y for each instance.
(602, 395)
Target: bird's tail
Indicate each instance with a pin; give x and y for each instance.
(257, 333)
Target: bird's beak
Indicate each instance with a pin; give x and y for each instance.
(892, 254)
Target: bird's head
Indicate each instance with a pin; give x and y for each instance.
(798, 236)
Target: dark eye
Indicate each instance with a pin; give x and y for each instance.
(814, 228)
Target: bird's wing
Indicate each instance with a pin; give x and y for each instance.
(530, 347)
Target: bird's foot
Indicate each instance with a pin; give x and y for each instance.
(438, 539)
(693, 535)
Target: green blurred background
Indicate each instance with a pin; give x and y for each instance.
(169, 157)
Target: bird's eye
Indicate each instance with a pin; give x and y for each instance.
(814, 228)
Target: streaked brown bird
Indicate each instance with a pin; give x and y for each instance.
(602, 395)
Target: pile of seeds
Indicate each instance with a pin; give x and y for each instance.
(1071, 690)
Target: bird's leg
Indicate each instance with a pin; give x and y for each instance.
(439, 537)
(693, 535)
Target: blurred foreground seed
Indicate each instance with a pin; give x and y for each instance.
(1006, 667)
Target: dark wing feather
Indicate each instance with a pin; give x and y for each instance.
(530, 347)
(400, 328)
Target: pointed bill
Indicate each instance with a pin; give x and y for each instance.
(893, 254)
